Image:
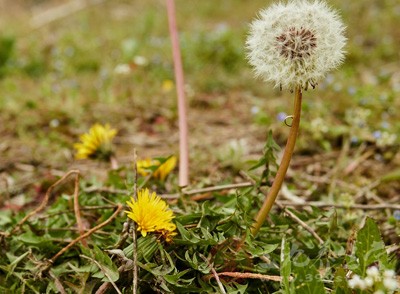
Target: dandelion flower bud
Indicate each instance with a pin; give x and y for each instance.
(296, 44)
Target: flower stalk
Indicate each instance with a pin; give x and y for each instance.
(183, 132)
(280, 175)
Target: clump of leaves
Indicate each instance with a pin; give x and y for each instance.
(6, 50)
(213, 238)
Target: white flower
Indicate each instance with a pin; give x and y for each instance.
(390, 283)
(122, 69)
(386, 139)
(369, 281)
(296, 44)
(140, 60)
(356, 282)
(373, 272)
(389, 273)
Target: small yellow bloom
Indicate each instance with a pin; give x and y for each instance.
(167, 86)
(96, 143)
(151, 214)
(144, 167)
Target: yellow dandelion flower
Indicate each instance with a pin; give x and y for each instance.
(151, 214)
(96, 143)
(167, 86)
(145, 166)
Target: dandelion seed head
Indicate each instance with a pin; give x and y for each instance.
(296, 44)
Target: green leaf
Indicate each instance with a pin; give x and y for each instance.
(106, 269)
(391, 176)
(31, 239)
(188, 237)
(369, 248)
(195, 264)
(11, 267)
(176, 279)
(307, 280)
(285, 267)
(268, 159)
(340, 284)
(258, 249)
(146, 248)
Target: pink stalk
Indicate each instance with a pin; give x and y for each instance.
(183, 132)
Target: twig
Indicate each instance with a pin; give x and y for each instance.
(217, 188)
(180, 84)
(355, 163)
(107, 190)
(103, 271)
(61, 11)
(338, 167)
(286, 193)
(95, 207)
(214, 273)
(57, 283)
(343, 206)
(77, 210)
(104, 287)
(301, 223)
(251, 276)
(44, 202)
(87, 234)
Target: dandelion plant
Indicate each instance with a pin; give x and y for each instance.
(151, 214)
(293, 45)
(97, 143)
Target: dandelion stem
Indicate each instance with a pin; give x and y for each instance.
(280, 175)
(183, 132)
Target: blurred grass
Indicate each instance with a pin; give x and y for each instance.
(60, 79)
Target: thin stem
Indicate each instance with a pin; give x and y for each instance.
(280, 175)
(134, 237)
(183, 132)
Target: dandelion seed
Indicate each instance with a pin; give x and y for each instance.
(296, 44)
(96, 143)
(151, 214)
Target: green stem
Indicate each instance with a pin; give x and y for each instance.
(280, 175)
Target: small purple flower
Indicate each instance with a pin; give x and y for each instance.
(255, 109)
(354, 140)
(396, 215)
(377, 134)
(351, 90)
(385, 125)
(281, 116)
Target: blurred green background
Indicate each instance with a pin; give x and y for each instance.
(111, 62)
